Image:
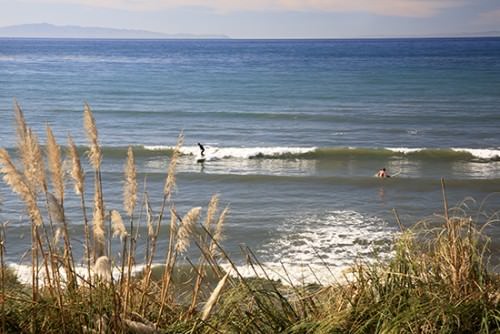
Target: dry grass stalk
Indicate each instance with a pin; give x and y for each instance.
(170, 259)
(170, 181)
(95, 153)
(119, 229)
(78, 177)
(76, 173)
(55, 164)
(167, 193)
(213, 298)
(186, 229)
(130, 187)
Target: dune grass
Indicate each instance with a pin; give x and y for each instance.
(437, 281)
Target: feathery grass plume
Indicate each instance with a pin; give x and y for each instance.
(21, 128)
(57, 236)
(130, 187)
(29, 151)
(76, 167)
(55, 209)
(102, 268)
(218, 230)
(98, 223)
(17, 183)
(186, 229)
(32, 158)
(173, 222)
(119, 229)
(213, 298)
(212, 208)
(149, 217)
(54, 164)
(170, 181)
(95, 153)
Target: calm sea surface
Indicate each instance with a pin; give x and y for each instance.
(294, 131)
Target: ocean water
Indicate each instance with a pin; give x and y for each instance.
(294, 131)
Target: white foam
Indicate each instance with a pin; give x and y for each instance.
(24, 275)
(404, 150)
(214, 152)
(292, 274)
(481, 153)
(157, 147)
(325, 244)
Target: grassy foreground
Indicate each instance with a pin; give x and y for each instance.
(436, 282)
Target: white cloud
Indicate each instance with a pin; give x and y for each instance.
(410, 8)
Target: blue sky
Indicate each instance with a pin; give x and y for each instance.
(266, 18)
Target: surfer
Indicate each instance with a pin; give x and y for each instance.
(202, 149)
(382, 173)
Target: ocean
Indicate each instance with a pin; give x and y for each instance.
(294, 132)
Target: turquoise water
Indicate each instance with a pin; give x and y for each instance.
(294, 130)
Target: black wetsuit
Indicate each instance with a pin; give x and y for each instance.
(202, 149)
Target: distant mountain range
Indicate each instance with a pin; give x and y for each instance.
(45, 30)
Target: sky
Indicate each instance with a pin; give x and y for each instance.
(266, 18)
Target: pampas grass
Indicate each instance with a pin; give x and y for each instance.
(76, 172)
(119, 229)
(213, 298)
(98, 224)
(130, 186)
(17, 183)
(55, 164)
(186, 229)
(95, 152)
(170, 181)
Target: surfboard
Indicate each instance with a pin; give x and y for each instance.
(200, 160)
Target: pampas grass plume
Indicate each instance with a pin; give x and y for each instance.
(102, 268)
(186, 229)
(32, 158)
(130, 187)
(95, 154)
(17, 183)
(98, 223)
(149, 217)
(117, 225)
(170, 181)
(76, 168)
(21, 128)
(212, 208)
(55, 209)
(54, 163)
(218, 230)
(213, 298)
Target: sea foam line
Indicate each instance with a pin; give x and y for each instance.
(213, 152)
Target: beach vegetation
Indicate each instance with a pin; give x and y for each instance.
(438, 279)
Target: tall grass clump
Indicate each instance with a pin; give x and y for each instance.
(436, 281)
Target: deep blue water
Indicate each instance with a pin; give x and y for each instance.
(294, 129)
